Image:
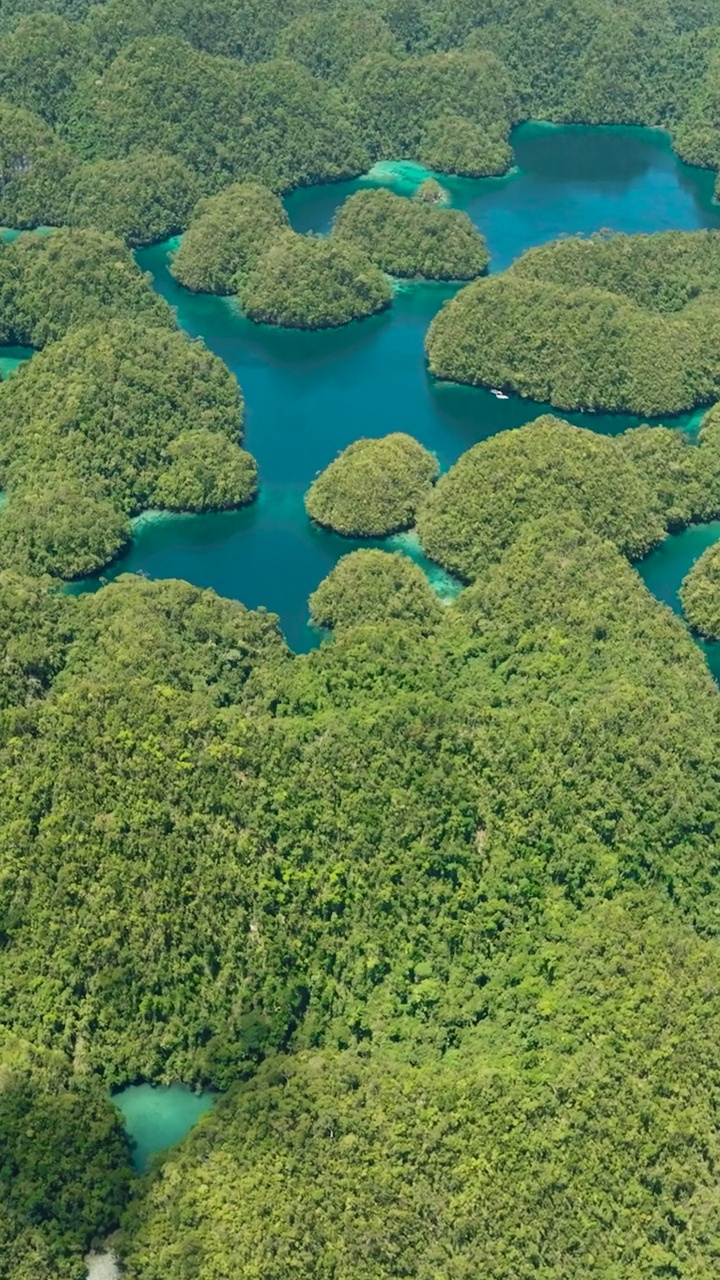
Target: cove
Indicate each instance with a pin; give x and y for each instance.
(156, 1117)
(308, 395)
(664, 569)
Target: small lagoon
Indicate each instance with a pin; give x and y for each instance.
(156, 1117)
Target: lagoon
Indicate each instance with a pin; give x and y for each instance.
(308, 395)
(156, 1117)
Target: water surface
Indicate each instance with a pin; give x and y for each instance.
(157, 1117)
(664, 569)
(308, 395)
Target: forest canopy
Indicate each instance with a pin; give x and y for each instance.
(700, 594)
(436, 905)
(478, 507)
(373, 586)
(621, 323)
(227, 237)
(307, 282)
(412, 238)
(112, 419)
(373, 487)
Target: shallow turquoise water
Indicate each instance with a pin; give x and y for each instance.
(664, 569)
(157, 1117)
(308, 395)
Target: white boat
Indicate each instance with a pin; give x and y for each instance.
(499, 395)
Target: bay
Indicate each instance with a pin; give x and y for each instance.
(308, 395)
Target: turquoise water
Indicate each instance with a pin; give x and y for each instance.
(11, 357)
(308, 395)
(664, 569)
(156, 1117)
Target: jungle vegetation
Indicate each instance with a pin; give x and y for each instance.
(622, 323)
(700, 594)
(64, 1163)
(475, 510)
(373, 586)
(52, 283)
(227, 236)
(437, 904)
(111, 419)
(412, 238)
(307, 282)
(373, 487)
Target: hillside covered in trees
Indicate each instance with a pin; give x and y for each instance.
(436, 905)
(622, 323)
(182, 100)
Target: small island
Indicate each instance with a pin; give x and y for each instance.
(412, 239)
(373, 488)
(228, 235)
(700, 594)
(374, 586)
(615, 323)
(306, 282)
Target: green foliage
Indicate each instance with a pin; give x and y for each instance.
(406, 107)
(329, 42)
(305, 282)
(41, 63)
(412, 238)
(373, 487)
(51, 283)
(123, 416)
(53, 525)
(374, 586)
(681, 474)
(273, 122)
(431, 192)
(142, 198)
(34, 169)
(478, 508)
(700, 594)
(208, 472)
(625, 323)
(64, 1163)
(228, 233)
(35, 630)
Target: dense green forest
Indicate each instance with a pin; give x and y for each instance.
(289, 94)
(700, 594)
(374, 487)
(228, 236)
(374, 586)
(412, 238)
(435, 905)
(310, 282)
(623, 323)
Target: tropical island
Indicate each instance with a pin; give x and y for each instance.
(434, 906)
(373, 586)
(306, 282)
(700, 594)
(373, 488)
(228, 235)
(415, 239)
(620, 323)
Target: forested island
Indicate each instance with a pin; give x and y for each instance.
(413, 239)
(622, 323)
(435, 905)
(373, 488)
